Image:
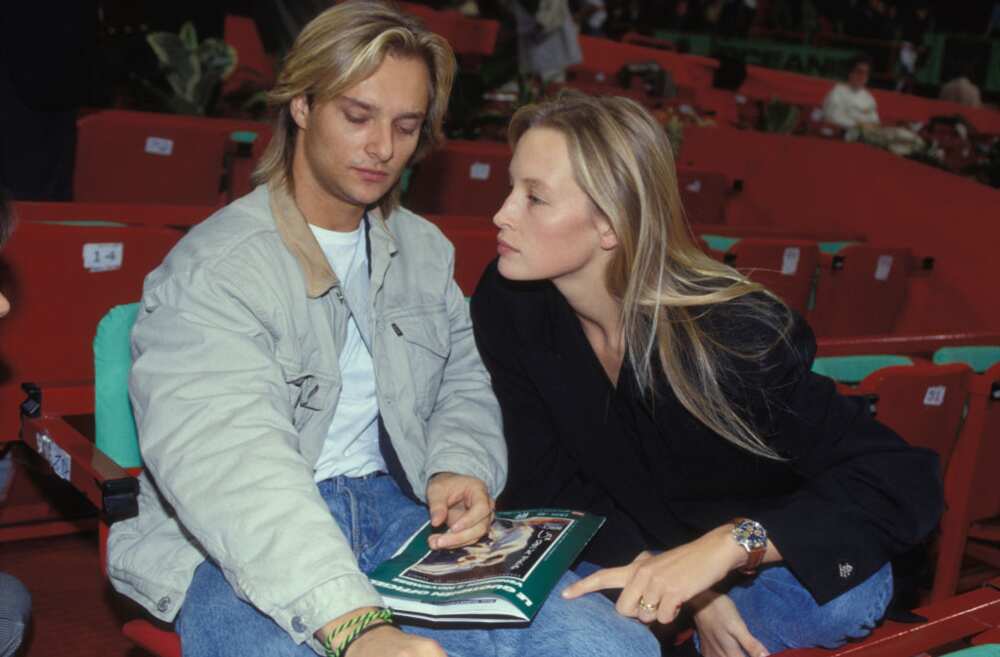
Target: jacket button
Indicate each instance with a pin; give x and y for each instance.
(163, 605)
(298, 625)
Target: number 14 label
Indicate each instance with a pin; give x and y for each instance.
(103, 257)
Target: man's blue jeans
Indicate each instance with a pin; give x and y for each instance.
(377, 518)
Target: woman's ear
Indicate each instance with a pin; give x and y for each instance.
(606, 232)
(299, 108)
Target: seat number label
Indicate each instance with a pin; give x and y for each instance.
(106, 256)
(56, 456)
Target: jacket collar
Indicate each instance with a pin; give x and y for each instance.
(300, 241)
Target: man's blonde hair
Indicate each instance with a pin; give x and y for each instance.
(340, 48)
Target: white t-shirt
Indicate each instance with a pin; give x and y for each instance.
(351, 446)
(849, 107)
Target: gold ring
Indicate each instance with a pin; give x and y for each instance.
(645, 606)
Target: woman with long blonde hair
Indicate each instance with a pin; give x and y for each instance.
(642, 380)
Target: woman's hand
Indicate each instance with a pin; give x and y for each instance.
(655, 587)
(721, 628)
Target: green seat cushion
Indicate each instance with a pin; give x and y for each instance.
(985, 650)
(243, 136)
(853, 369)
(978, 357)
(115, 432)
(833, 247)
(719, 242)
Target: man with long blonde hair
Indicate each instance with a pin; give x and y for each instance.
(307, 388)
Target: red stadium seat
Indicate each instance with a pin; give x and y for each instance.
(971, 525)
(137, 214)
(705, 194)
(467, 36)
(463, 178)
(922, 402)
(138, 157)
(786, 267)
(475, 243)
(60, 280)
(860, 291)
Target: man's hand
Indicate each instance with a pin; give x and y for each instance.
(384, 641)
(389, 641)
(464, 504)
(721, 628)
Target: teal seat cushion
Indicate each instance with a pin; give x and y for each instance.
(115, 432)
(719, 242)
(833, 247)
(853, 369)
(985, 650)
(978, 357)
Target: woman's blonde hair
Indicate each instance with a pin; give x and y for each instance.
(621, 158)
(340, 48)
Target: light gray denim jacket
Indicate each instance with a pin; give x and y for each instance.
(235, 381)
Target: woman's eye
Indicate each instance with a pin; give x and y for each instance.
(534, 200)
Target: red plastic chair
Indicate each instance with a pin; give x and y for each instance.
(922, 402)
(60, 280)
(705, 194)
(139, 157)
(140, 214)
(786, 267)
(463, 178)
(467, 36)
(972, 489)
(475, 241)
(860, 291)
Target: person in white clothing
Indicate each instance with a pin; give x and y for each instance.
(850, 104)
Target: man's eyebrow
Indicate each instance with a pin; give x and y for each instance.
(368, 107)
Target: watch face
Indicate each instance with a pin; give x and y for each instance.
(750, 534)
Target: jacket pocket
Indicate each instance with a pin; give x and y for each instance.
(428, 345)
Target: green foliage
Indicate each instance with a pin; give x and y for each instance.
(193, 70)
(779, 117)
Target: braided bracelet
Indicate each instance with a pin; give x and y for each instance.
(359, 623)
(358, 631)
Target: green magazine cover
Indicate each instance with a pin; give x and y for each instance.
(500, 581)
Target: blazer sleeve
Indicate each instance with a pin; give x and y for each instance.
(541, 471)
(866, 496)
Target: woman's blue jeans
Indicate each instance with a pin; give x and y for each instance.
(377, 518)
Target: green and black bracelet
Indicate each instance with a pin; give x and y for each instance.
(357, 626)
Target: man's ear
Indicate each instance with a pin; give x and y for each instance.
(299, 107)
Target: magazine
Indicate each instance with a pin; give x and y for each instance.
(501, 580)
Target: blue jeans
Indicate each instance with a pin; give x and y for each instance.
(377, 518)
(15, 611)
(782, 614)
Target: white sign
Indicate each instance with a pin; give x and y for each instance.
(790, 261)
(56, 456)
(883, 268)
(694, 186)
(103, 256)
(479, 171)
(159, 146)
(934, 396)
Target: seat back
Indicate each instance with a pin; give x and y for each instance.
(61, 278)
(142, 157)
(704, 195)
(138, 214)
(860, 291)
(475, 241)
(923, 403)
(462, 178)
(786, 267)
(114, 426)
